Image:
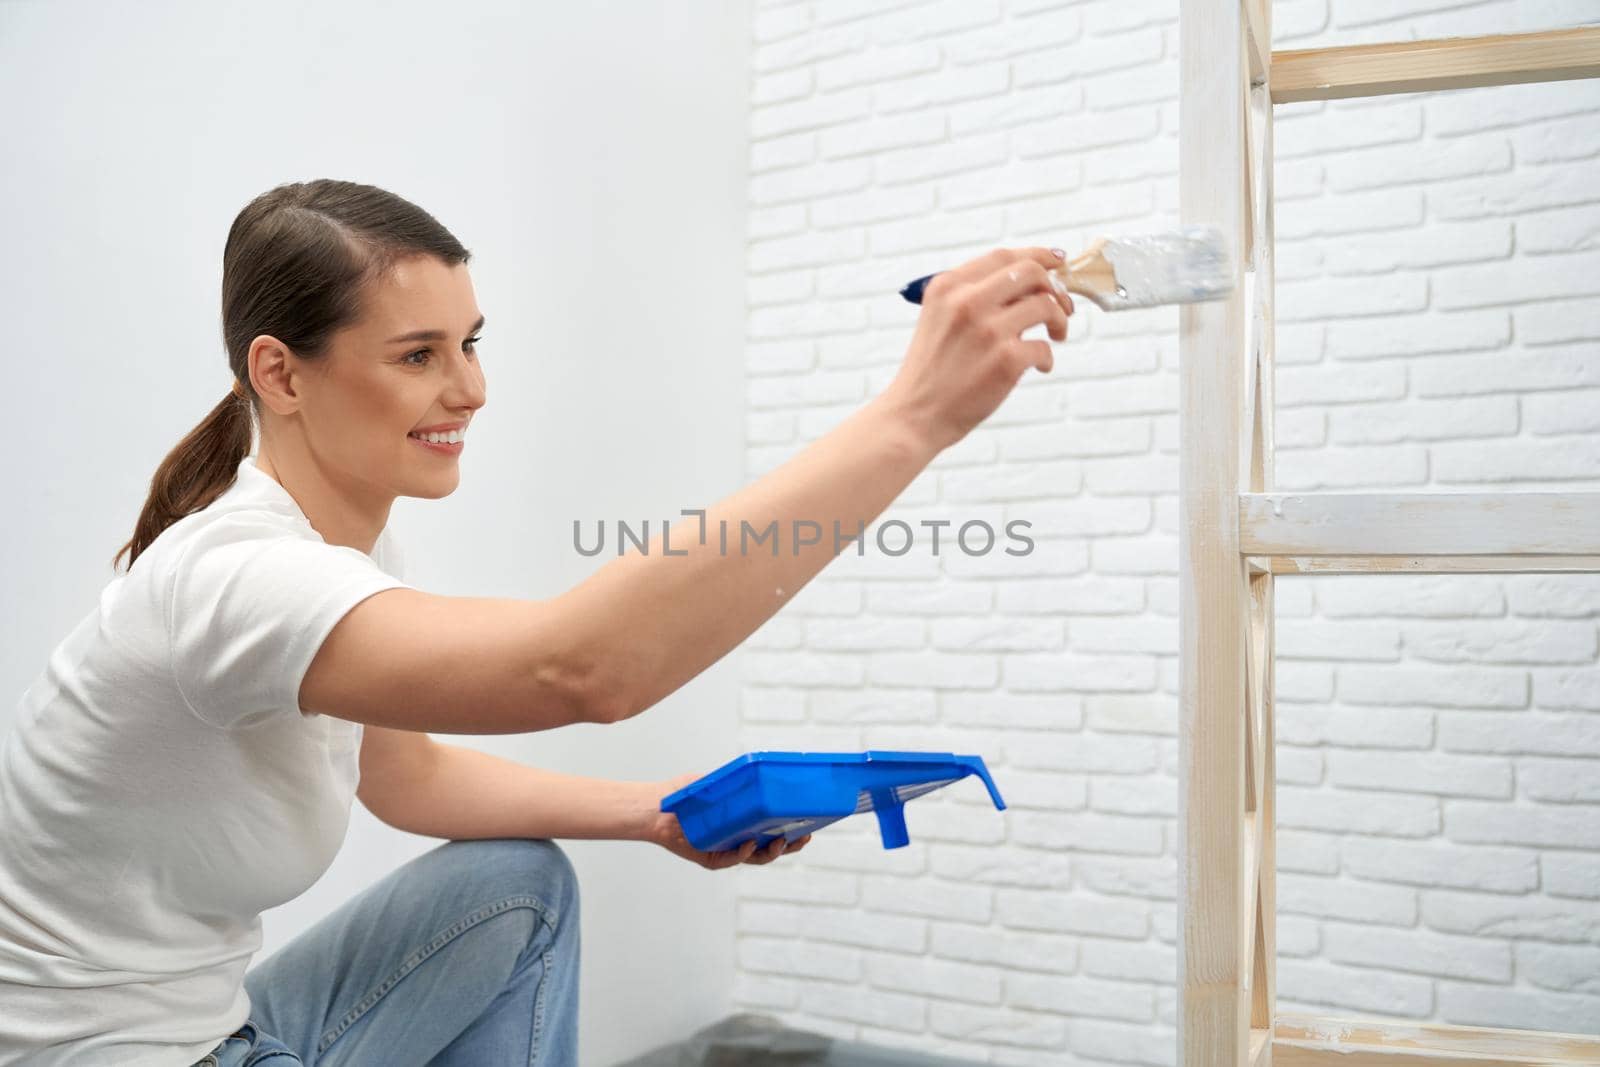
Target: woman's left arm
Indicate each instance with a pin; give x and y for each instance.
(417, 784)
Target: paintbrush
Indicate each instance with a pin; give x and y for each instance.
(1144, 270)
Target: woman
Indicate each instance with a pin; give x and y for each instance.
(188, 757)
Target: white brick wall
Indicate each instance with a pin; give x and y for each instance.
(1439, 326)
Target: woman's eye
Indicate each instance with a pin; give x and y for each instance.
(469, 345)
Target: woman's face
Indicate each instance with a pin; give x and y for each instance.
(409, 365)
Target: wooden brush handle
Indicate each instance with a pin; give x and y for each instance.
(1090, 274)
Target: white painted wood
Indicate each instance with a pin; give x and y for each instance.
(1232, 544)
(1214, 1009)
(1420, 524)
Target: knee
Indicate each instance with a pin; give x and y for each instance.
(549, 863)
(516, 866)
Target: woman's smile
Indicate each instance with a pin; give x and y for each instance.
(449, 448)
(446, 438)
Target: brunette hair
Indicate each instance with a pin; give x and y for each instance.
(296, 263)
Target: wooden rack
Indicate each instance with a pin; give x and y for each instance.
(1237, 535)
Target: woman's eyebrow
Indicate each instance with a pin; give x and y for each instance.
(431, 335)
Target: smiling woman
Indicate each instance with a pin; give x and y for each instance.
(166, 785)
(313, 271)
(189, 757)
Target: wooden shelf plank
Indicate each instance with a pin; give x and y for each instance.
(1301, 1041)
(1419, 524)
(1425, 66)
(1425, 564)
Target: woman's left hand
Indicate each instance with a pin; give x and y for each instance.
(666, 831)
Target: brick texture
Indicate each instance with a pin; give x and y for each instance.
(1439, 737)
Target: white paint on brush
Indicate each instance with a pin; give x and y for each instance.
(1177, 267)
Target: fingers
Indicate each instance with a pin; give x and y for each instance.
(730, 857)
(969, 272)
(1036, 354)
(984, 266)
(1032, 310)
(1045, 257)
(1024, 293)
(748, 853)
(775, 848)
(1018, 279)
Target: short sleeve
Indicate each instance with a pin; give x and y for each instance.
(246, 616)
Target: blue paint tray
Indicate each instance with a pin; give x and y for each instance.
(767, 795)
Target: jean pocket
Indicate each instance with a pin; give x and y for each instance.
(223, 1054)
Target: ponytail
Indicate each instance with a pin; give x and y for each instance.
(198, 470)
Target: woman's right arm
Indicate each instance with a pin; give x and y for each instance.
(644, 624)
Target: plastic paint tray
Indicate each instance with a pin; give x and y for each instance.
(767, 795)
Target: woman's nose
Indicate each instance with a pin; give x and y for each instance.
(468, 387)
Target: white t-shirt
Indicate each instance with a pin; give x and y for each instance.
(160, 787)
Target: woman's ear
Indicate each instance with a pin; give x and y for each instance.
(273, 373)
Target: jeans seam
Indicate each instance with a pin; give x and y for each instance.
(546, 915)
(538, 1007)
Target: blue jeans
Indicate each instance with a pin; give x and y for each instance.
(467, 954)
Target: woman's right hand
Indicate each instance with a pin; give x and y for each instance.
(665, 830)
(966, 354)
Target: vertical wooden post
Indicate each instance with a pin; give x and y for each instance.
(1262, 655)
(1227, 866)
(1215, 904)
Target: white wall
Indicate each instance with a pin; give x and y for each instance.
(1439, 327)
(592, 157)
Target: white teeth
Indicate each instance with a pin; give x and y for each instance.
(450, 438)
